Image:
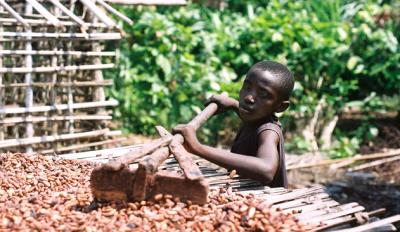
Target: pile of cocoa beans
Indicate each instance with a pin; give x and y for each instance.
(48, 194)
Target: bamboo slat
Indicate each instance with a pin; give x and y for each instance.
(69, 13)
(149, 2)
(14, 13)
(40, 22)
(372, 225)
(115, 12)
(60, 84)
(28, 79)
(99, 14)
(56, 52)
(102, 153)
(48, 35)
(82, 146)
(36, 119)
(56, 69)
(82, 105)
(50, 138)
(45, 13)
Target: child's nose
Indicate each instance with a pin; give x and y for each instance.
(249, 99)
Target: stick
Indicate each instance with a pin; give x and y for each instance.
(42, 139)
(99, 14)
(55, 52)
(35, 119)
(290, 196)
(45, 13)
(13, 21)
(115, 12)
(69, 13)
(60, 84)
(334, 215)
(33, 109)
(149, 2)
(372, 225)
(47, 35)
(56, 69)
(14, 13)
(354, 158)
(80, 146)
(28, 80)
(340, 221)
(374, 163)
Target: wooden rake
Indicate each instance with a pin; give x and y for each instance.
(116, 181)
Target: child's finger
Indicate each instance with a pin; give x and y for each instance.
(209, 100)
(178, 128)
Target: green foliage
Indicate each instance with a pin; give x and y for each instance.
(175, 57)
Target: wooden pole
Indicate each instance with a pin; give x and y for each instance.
(36, 109)
(98, 13)
(28, 80)
(46, 139)
(44, 12)
(55, 69)
(59, 84)
(78, 20)
(14, 13)
(115, 12)
(70, 97)
(68, 36)
(2, 93)
(55, 52)
(149, 2)
(38, 22)
(82, 146)
(36, 119)
(53, 91)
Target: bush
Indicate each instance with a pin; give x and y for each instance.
(174, 58)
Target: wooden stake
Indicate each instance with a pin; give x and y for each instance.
(28, 80)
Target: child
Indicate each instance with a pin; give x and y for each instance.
(257, 151)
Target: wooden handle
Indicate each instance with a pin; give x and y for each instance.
(204, 115)
(153, 146)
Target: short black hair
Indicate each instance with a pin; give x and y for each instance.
(282, 72)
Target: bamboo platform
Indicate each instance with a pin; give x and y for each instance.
(310, 205)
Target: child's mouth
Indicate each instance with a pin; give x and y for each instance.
(245, 110)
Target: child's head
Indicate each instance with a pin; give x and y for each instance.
(265, 91)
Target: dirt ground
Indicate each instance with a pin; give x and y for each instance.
(374, 188)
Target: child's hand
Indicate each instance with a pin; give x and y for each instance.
(224, 103)
(189, 134)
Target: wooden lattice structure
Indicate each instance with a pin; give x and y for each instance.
(52, 96)
(51, 83)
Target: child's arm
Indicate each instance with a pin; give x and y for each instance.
(262, 167)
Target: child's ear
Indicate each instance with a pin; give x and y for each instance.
(283, 106)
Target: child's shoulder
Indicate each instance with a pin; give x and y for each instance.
(273, 125)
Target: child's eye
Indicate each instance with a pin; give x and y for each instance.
(264, 94)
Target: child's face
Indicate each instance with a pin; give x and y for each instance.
(259, 96)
